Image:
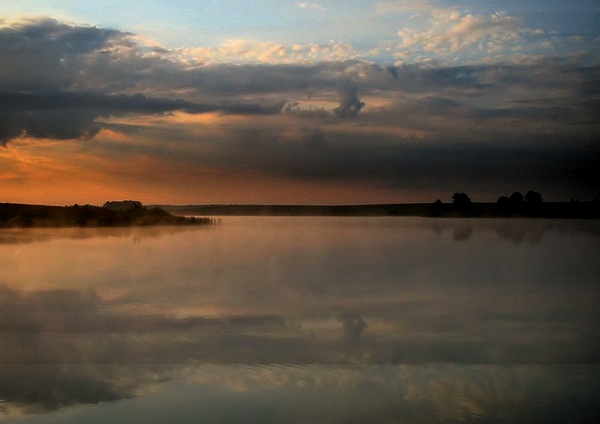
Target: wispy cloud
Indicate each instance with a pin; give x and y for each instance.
(450, 34)
(268, 52)
(311, 6)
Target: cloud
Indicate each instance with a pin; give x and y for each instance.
(115, 80)
(449, 34)
(62, 93)
(46, 54)
(354, 325)
(74, 115)
(244, 51)
(350, 104)
(311, 6)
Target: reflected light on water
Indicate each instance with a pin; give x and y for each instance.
(320, 319)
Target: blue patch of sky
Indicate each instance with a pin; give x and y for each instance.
(563, 17)
(189, 23)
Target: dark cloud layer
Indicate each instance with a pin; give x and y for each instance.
(45, 54)
(493, 123)
(74, 115)
(350, 104)
(442, 164)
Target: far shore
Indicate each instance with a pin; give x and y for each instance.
(133, 213)
(14, 215)
(575, 210)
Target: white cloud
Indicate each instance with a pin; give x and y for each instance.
(311, 6)
(249, 51)
(450, 33)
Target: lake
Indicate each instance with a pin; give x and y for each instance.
(302, 320)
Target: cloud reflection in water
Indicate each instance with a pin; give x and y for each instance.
(352, 315)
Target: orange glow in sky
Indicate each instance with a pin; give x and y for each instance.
(356, 102)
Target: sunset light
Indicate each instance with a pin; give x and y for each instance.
(387, 101)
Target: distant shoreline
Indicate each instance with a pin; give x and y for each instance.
(16, 215)
(575, 210)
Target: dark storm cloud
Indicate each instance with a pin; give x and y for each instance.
(546, 77)
(354, 325)
(48, 55)
(41, 56)
(45, 54)
(350, 104)
(58, 79)
(73, 115)
(53, 56)
(527, 113)
(455, 122)
(466, 77)
(444, 164)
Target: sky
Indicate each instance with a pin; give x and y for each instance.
(330, 102)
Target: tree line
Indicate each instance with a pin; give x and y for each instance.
(516, 205)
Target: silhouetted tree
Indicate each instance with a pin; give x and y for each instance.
(461, 201)
(503, 206)
(515, 203)
(516, 199)
(460, 198)
(533, 197)
(437, 208)
(533, 203)
(503, 201)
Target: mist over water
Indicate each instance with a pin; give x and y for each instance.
(275, 319)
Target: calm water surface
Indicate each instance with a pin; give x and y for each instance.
(302, 320)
